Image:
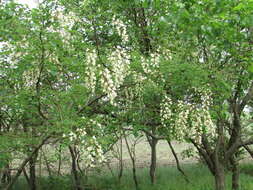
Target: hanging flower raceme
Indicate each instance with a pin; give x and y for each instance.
(109, 76)
(91, 70)
(121, 29)
(188, 119)
(113, 78)
(120, 61)
(150, 65)
(108, 85)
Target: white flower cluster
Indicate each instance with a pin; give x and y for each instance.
(93, 153)
(91, 70)
(121, 29)
(165, 111)
(90, 149)
(189, 119)
(108, 85)
(200, 123)
(111, 76)
(181, 121)
(112, 79)
(120, 61)
(150, 65)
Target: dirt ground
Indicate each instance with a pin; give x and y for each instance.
(164, 154)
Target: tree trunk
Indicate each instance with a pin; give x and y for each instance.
(131, 152)
(120, 160)
(60, 161)
(152, 171)
(177, 162)
(134, 175)
(32, 171)
(235, 174)
(220, 178)
(26, 176)
(6, 177)
(74, 169)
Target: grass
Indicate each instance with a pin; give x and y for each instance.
(168, 178)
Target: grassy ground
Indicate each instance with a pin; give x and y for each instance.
(168, 178)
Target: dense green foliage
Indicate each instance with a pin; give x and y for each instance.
(81, 75)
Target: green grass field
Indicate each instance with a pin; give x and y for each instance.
(168, 178)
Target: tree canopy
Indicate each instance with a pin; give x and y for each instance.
(81, 73)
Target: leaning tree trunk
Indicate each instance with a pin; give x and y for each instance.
(131, 152)
(177, 162)
(121, 167)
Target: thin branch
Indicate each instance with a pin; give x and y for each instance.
(206, 157)
(152, 135)
(177, 161)
(91, 102)
(249, 150)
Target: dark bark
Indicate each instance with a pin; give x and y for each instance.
(250, 151)
(235, 173)
(220, 179)
(152, 171)
(6, 177)
(32, 171)
(120, 160)
(47, 164)
(177, 162)
(215, 158)
(134, 175)
(74, 169)
(139, 17)
(132, 156)
(202, 152)
(26, 176)
(220, 160)
(60, 161)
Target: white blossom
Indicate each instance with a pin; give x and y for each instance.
(189, 119)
